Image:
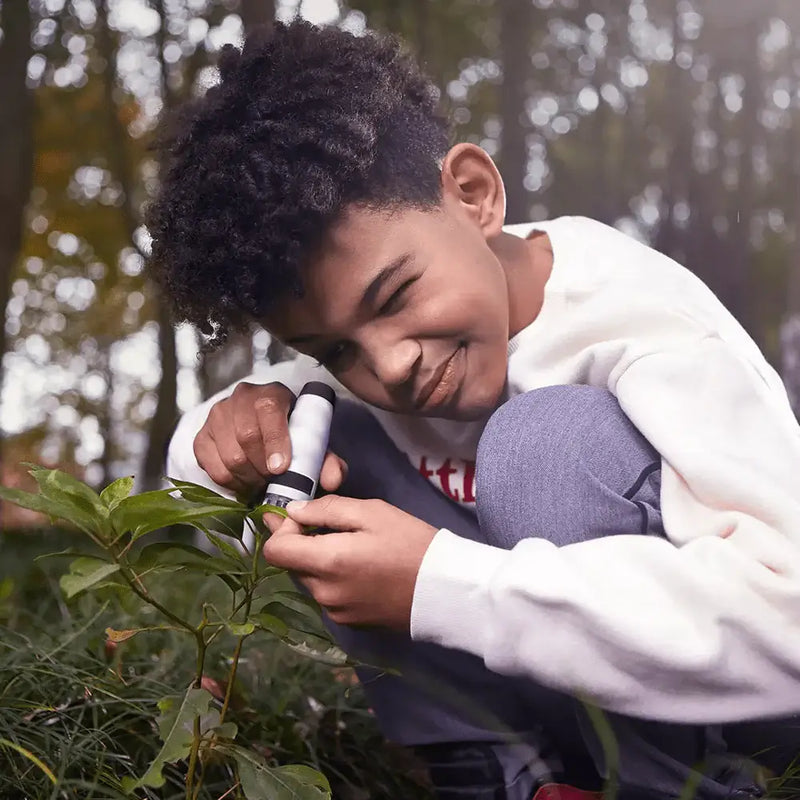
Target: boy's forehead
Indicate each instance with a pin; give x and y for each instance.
(357, 247)
(359, 244)
(351, 252)
(365, 230)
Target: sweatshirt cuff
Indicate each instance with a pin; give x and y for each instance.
(451, 605)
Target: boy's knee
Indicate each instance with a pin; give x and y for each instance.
(556, 426)
(559, 463)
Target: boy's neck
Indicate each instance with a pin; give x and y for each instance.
(527, 264)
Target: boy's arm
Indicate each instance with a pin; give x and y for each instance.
(702, 628)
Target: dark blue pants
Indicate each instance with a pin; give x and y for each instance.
(566, 463)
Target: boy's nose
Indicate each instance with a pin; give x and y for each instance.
(394, 364)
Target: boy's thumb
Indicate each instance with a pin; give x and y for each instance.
(285, 527)
(273, 521)
(332, 511)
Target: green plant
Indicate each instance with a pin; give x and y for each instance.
(120, 564)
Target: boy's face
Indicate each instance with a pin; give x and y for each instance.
(408, 309)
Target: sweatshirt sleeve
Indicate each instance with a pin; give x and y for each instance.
(703, 627)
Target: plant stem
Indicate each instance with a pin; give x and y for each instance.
(190, 785)
(138, 588)
(196, 733)
(247, 602)
(231, 677)
(200, 780)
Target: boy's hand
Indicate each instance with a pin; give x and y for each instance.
(364, 575)
(245, 440)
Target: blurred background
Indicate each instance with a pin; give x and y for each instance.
(675, 120)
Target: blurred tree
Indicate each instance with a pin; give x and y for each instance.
(516, 37)
(790, 323)
(165, 414)
(675, 119)
(16, 146)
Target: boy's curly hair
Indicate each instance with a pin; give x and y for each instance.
(304, 122)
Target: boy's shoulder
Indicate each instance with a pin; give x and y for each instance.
(588, 253)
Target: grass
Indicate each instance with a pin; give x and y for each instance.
(75, 718)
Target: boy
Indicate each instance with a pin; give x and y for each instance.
(617, 458)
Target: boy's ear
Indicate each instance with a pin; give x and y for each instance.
(470, 177)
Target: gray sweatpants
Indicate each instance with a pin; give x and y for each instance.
(564, 462)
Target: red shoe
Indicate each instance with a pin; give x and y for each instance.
(560, 791)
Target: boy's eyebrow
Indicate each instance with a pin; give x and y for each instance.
(370, 293)
(376, 284)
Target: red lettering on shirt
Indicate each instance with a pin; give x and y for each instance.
(469, 481)
(423, 469)
(444, 472)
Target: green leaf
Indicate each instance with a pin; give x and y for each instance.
(170, 556)
(46, 505)
(200, 494)
(226, 547)
(259, 511)
(293, 782)
(70, 552)
(331, 654)
(303, 622)
(87, 510)
(228, 730)
(175, 725)
(176, 554)
(236, 628)
(149, 511)
(270, 624)
(294, 599)
(116, 492)
(85, 573)
(240, 628)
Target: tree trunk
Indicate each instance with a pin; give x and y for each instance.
(163, 421)
(16, 148)
(742, 210)
(679, 165)
(105, 415)
(256, 12)
(166, 413)
(790, 325)
(516, 26)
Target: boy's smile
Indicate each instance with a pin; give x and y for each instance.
(412, 309)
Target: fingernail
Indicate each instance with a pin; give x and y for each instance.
(296, 505)
(275, 461)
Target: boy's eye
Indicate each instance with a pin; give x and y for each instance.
(335, 357)
(394, 303)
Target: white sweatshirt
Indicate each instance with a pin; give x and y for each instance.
(701, 627)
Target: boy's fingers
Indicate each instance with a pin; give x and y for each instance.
(223, 434)
(273, 521)
(272, 411)
(333, 472)
(208, 457)
(331, 511)
(289, 527)
(289, 549)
